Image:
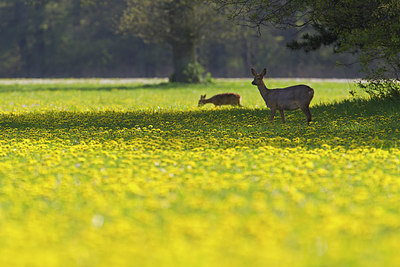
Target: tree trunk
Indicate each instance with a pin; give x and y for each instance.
(183, 53)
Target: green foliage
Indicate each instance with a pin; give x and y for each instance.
(384, 88)
(383, 74)
(74, 38)
(60, 38)
(370, 28)
(193, 73)
(182, 24)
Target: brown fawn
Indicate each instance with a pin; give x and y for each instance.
(222, 99)
(289, 98)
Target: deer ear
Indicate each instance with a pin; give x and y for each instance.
(254, 72)
(264, 72)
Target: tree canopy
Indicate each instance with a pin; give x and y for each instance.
(182, 24)
(370, 28)
(82, 38)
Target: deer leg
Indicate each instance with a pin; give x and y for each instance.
(282, 115)
(307, 111)
(272, 114)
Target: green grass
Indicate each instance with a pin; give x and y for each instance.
(134, 173)
(122, 96)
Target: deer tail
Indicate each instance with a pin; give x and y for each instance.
(311, 92)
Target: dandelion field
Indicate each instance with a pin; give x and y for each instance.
(133, 173)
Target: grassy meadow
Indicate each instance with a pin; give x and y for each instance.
(133, 173)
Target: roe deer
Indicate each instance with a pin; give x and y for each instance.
(222, 99)
(289, 98)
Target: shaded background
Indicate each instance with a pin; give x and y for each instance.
(70, 38)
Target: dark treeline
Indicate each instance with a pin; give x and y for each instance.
(71, 38)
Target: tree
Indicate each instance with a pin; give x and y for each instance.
(79, 38)
(71, 38)
(370, 28)
(23, 42)
(180, 23)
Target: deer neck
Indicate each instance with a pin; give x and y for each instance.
(264, 91)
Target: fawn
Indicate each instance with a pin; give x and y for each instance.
(222, 99)
(289, 98)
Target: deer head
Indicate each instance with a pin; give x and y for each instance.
(258, 78)
(201, 101)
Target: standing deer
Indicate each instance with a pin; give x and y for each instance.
(289, 98)
(222, 99)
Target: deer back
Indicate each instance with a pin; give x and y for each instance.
(225, 99)
(289, 98)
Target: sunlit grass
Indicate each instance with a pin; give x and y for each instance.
(135, 174)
